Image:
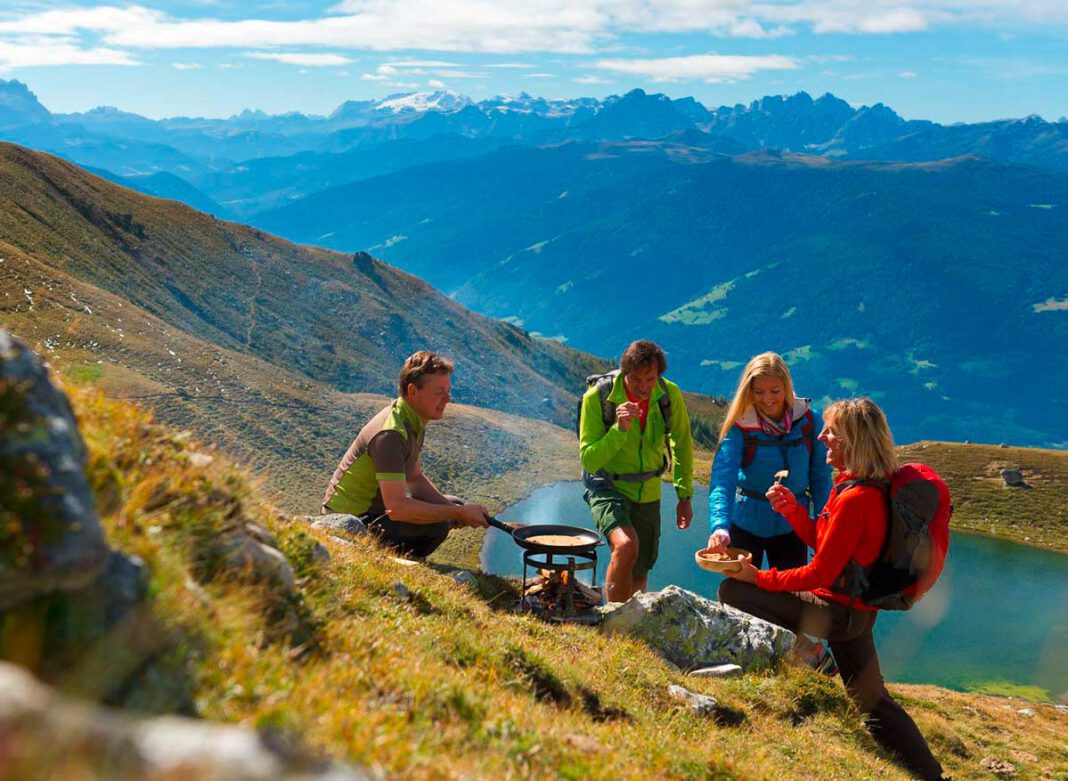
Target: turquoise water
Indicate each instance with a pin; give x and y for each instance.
(996, 621)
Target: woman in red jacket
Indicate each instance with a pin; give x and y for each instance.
(850, 528)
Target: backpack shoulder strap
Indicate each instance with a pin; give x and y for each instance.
(749, 447)
(808, 424)
(604, 383)
(883, 485)
(665, 406)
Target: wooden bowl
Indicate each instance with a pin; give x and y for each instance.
(732, 564)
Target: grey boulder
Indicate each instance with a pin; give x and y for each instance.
(337, 522)
(691, 631)
(701, 704)
(52, 539)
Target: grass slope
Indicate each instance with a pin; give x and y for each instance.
(982, 503)
(348, 322)
(285, 427)
(440, 681)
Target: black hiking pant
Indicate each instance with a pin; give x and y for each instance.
(849, 632)
(417, 540)
(784, 551)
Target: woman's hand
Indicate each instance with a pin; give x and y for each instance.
(719, 541)
(782, 499)
(747, 573)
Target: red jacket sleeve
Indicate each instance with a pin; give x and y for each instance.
(803, 525)
(846, 528)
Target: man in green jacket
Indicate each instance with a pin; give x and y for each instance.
(631, 424)
(380, 478)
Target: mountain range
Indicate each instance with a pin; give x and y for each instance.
(943, 242)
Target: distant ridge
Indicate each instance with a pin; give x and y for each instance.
(343, 320)
(825, 125)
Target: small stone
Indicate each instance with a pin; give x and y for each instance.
(718, 671)
(340, 541)
(584, 743)
(1062, 708)
(1028, 712)
(401, 590)
(1023, 756)
(200, 460)
(320, 555)
(466, 578)
(702, 704)
(336, 523)
(998, 766)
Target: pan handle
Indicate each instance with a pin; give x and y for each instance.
(499, 524)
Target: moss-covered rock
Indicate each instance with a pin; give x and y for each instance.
(691, 631)
(50, 538)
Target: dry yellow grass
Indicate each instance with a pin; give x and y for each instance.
(444, 682)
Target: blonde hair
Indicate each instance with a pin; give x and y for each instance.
(867, 444)
(763, 365)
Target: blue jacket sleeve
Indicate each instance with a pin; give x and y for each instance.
(724, 482)
(820, 477)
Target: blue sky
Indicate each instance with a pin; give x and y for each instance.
(947, 60)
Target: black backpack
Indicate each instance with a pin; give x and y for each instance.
(604, 383)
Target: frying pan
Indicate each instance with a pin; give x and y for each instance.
(586, 539)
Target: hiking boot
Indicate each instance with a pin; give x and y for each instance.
(824, 662)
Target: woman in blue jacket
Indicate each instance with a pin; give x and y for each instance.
(767, 430)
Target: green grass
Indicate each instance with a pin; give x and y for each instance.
(447, 682)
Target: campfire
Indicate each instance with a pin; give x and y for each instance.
(557, 594)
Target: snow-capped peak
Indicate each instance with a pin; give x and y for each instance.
(441, 100)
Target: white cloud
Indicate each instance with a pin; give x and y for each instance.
(187, 66)
(907, 74)
(590, 79)
(517, 65)
(51, 53)
(539, 75)
(494, 26)
(436, 84)
(308, 59)
(711, 68)
(423, 64)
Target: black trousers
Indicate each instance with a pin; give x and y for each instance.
(784, 551)
(417, 540)
(849, 633)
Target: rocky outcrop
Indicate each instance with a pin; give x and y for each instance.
(691, 631)
(50, 538)
(44, 736)
(1013, 478)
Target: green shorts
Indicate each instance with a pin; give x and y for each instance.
(610, 510)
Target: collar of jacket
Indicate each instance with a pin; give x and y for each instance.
(409, 416)
(619, 391)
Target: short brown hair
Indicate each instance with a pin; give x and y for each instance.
(419, 365)
(643, 353)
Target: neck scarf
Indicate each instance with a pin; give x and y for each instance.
(769, 426)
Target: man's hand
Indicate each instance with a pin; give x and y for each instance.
(719, 541)
(472, 515)
(626, 414)
(782, 499)
(747, 574)
(684, 513)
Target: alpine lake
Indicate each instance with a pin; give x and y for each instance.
(996, 622)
